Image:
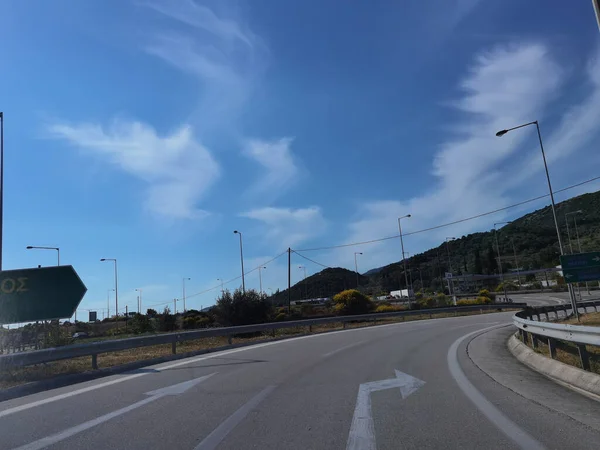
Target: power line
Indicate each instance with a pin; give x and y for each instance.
(311, 260)
(396, 236)
(238, 277)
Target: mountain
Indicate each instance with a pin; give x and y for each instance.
(529, 242)
(326, 283)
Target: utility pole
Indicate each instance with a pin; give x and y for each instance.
(404, 259)
(289, 280)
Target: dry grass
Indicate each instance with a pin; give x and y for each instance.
(567, 353)
(23, 375)
(590, 319)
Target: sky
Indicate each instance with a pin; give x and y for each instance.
(148, 131)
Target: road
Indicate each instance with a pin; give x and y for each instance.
(435, 384)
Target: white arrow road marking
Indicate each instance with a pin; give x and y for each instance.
(597, 258)
(211, 441)
(494, 415)
(176, 389)
(362, 430)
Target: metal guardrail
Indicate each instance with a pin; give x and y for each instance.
(576, 334)
(93, 349)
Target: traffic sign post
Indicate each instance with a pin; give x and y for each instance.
(581, 267)
(45, 293)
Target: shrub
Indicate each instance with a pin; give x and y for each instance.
(352, 301)
(198, 321)
(140, 324)
(488, 294)
(536, 285)
(167, 321)
(389, 308)
(242, 308)
(427, 302)
(477, 301)
(280, 317)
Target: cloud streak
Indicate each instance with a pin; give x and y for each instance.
(280, 169)
(177, 169)
(288, 227)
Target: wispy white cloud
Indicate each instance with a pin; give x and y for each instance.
(177, 169)
(280, 169)
(507, 85)
(288, 227)
(199, 16)
(226, 57)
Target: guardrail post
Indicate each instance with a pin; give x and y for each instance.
(595, 307)
(538, 316)
(310, 328)
(552, 348)
(174, 347)
(229, 339)
(584, 356)
(95, 361)
(534, 341)
(430, 316)
(273, 332)
(344, 325)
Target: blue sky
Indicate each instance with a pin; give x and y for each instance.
(148, 131)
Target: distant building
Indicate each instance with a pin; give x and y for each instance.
(401, 293)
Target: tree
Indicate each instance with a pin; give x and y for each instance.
(491, 263)
(151, 312)
(242, 308)
(352, 301)
(477, 267)
(141, 323)
(167, 321)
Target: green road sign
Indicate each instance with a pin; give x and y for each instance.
(39, 294)
(577, 275)
(580, 260)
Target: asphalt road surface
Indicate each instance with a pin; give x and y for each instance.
(435, 384)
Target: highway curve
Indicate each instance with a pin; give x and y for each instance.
(434, 384)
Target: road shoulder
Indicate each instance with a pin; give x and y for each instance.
(490, 353)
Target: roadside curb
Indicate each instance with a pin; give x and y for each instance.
(577, 379)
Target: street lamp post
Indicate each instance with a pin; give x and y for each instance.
(356, 266)
(30, 247)
(537, 125)
(139, 300)
(516, 262)
(450, 281)
(500, 260)
(116, 286)
(421, 279)
(108, 302)
(404, 259)
(242, 260)
(305, 286)
(260, 277)
(183, 289)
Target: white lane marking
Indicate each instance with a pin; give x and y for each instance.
(362, 430)
(192, 360)
(19, 408)
(494, 415)
(211, 441)
(473, 324)
(176, 389)
(341, 349)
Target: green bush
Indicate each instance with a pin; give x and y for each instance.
(352, 301)
(140, 324)
(280, 317)
(477, 301)
(389, 308)
(242, 308)
(167, 321)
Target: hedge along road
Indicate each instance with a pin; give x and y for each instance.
(405, 385)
